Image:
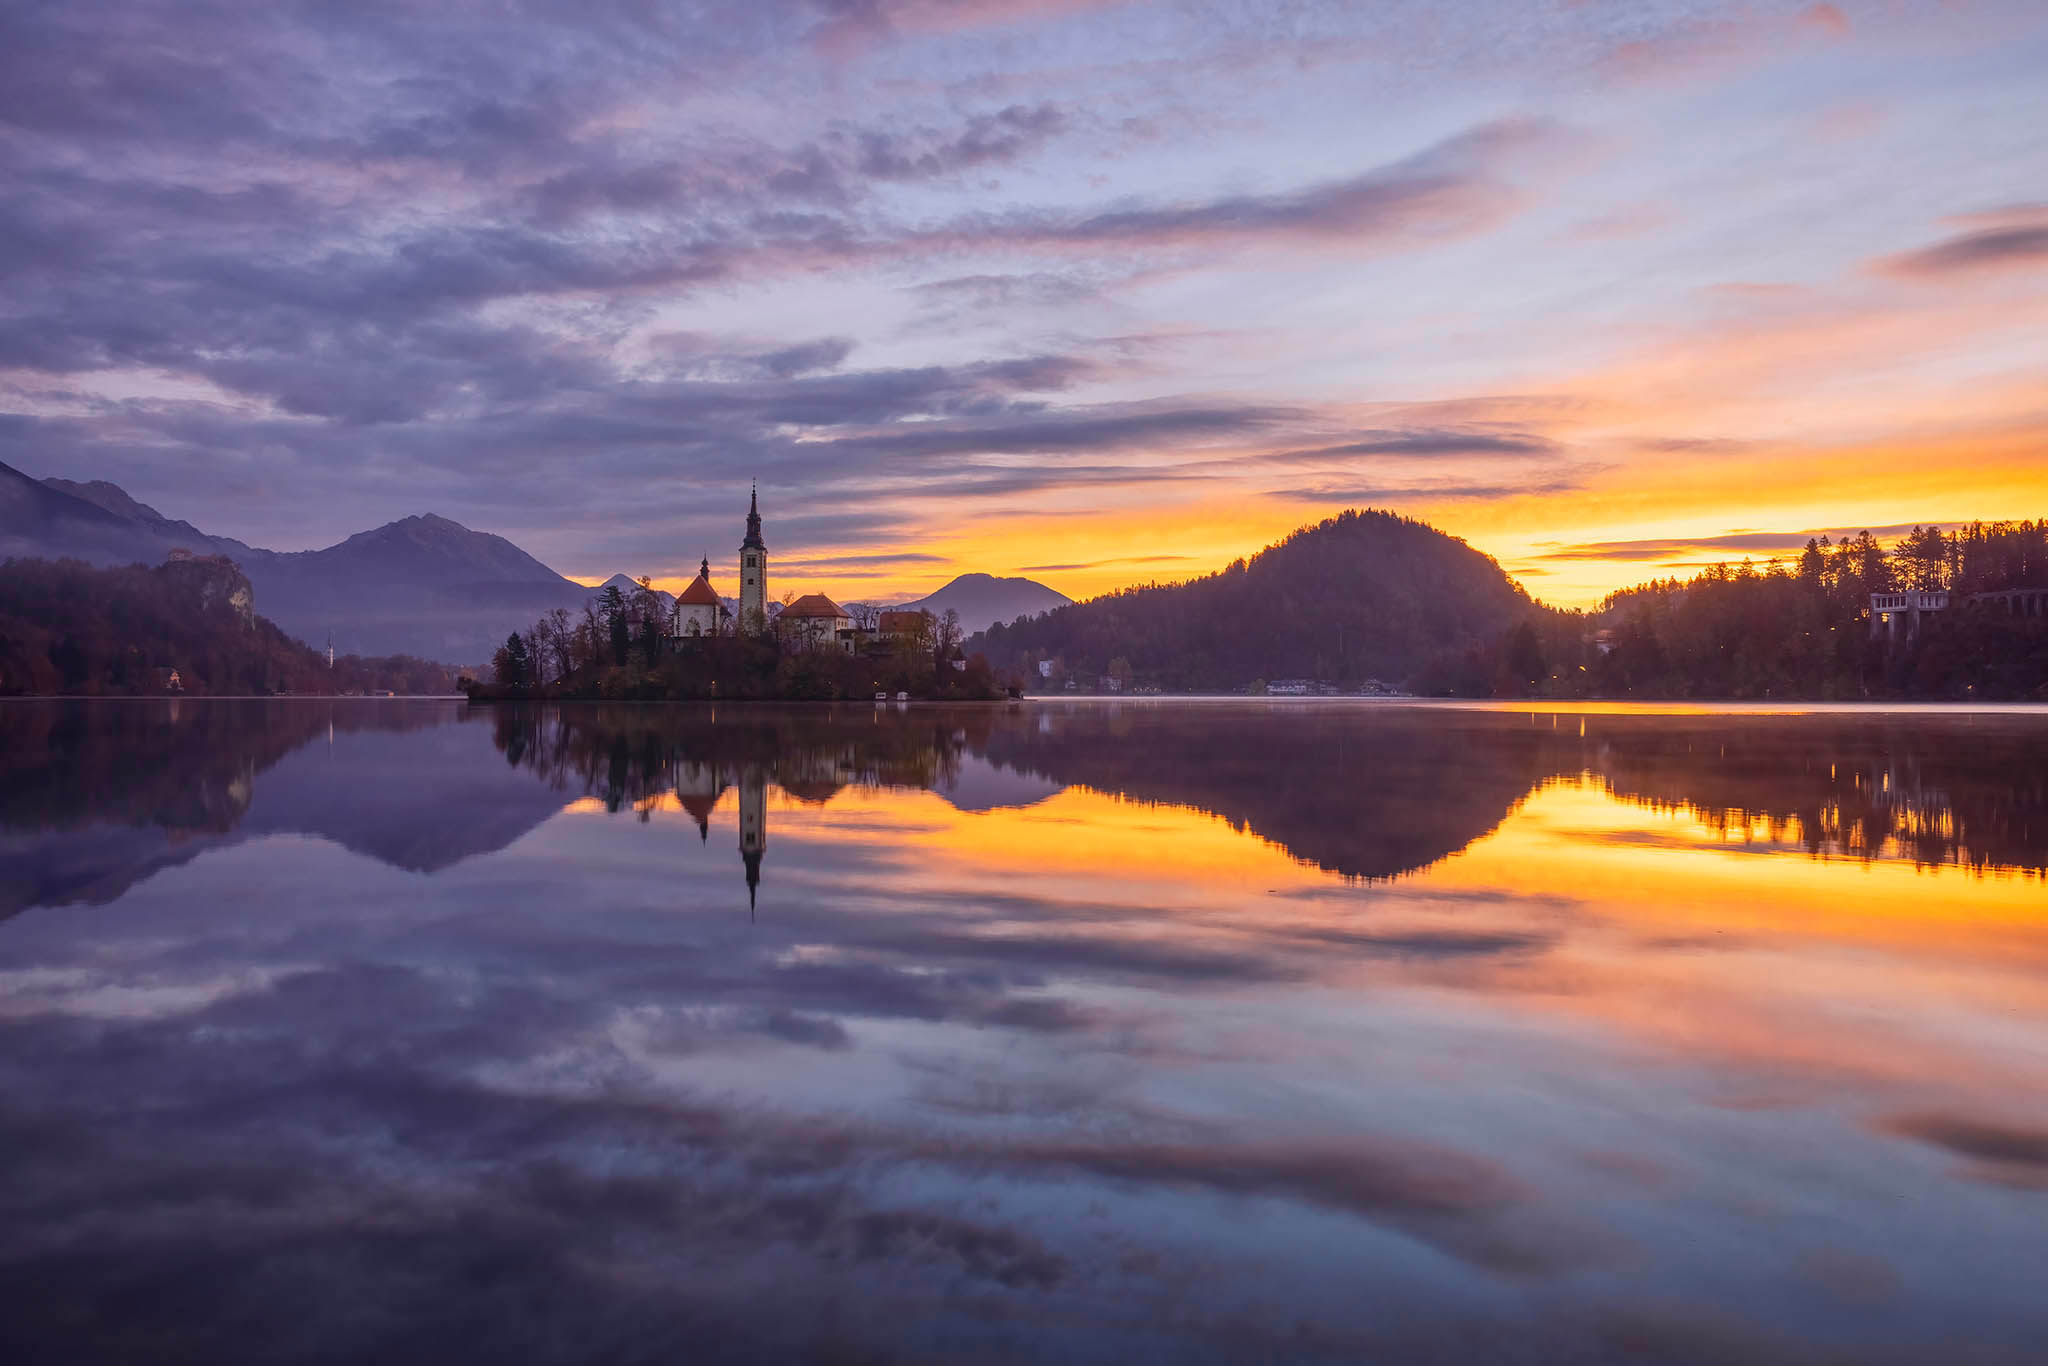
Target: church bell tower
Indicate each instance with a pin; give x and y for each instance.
(753, 571)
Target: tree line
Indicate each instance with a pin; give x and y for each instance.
(68, 628)
(1786, 630)
(619, 648)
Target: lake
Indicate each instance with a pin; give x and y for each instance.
(1069, 1031)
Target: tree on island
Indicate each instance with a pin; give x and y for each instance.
(512, 664)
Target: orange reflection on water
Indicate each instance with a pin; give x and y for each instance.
(1657, 927)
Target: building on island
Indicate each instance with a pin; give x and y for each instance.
(811, 622)
(815, 622)
(698, 610)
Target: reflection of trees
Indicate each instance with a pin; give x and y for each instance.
(1964, 789)
(1362, 791)
(630, 755)
(181, 765)
(1369, 792)
(96, 796)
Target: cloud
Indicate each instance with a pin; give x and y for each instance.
(1449, 490)
(985, 139)
(2019, 246)
(2010, 236)
(1745, 542)
(1100, 564)
(967, 293)
(1362, 1177)
(1418, 442)
(842, 564)
(1455, 187)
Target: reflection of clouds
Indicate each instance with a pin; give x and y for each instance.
(2009, 1154)
(1087, 1079)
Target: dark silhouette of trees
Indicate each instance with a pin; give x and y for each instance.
(513, 662)
(69, 628)
(1798, 631)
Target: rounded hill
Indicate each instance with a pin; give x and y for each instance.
(1364, 594)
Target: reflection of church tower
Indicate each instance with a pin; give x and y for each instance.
(697, 789)
(753, 825)
(753, 571)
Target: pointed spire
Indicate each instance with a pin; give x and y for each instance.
(753, 541)
(704, 568)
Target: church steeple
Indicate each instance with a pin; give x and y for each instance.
(753, 521)
(753, 572)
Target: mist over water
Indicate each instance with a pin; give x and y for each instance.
(1079, 1032)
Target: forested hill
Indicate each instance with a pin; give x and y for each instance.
(1362, 595)
(69, 628)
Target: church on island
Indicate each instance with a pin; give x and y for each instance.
(811, 622)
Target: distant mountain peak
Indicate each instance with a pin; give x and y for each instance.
(984, 599)
(626, 583)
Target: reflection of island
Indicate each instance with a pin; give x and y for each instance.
(95, 797)
(635, 756)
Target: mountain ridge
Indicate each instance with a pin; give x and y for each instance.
(423, 585)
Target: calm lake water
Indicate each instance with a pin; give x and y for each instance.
(1079, 1032)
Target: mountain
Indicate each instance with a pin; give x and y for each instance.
(983, 599)
(424, 586)
(38, 520)
(113, 498)
(1361, 595)
(629, 585)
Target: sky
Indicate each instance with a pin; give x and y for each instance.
(1096, 292)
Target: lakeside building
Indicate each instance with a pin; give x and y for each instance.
(1897, 614)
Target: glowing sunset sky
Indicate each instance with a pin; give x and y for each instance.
(1094, 292)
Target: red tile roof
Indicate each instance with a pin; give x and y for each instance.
(814, 605)
(700, 593)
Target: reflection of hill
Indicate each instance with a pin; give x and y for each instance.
(421, 800)
(98, 796)
(1369, 793)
